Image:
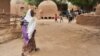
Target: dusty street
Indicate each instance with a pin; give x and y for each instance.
(59, 39)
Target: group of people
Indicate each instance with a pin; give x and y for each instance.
(71, 14)
(56, 18)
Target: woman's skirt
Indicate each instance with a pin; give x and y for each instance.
(29, 44)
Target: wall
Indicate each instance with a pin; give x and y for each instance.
(4, 13)
(5, 4)
(90, 20)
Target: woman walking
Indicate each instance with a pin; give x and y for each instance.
(28, 32)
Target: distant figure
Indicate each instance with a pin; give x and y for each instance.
(76, 12)
(61, 18)
(80, 11)
(94, 9)
(67, 13)
(56, 20)
(71, 15)
(28, 32)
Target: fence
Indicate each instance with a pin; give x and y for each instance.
(9, 20)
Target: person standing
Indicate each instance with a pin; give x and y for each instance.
(28, 32)
(61, 18)
(71, 15)
(56, 20)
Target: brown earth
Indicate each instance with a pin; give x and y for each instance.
(90, 20)
(59, 39)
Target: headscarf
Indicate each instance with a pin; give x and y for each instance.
(28, 16)
(31, 23)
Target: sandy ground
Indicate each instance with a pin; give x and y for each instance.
(59, 39)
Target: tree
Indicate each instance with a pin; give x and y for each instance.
(37, 2)
(62, 5)
(34, 2)
(86, 5)
(98, 1)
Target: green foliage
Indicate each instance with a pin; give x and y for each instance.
(34, 2)
(60, 1)
(37, 2)
(84, 2)
(87, 5)
(62, 5)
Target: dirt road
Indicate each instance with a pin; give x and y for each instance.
(59, 39)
